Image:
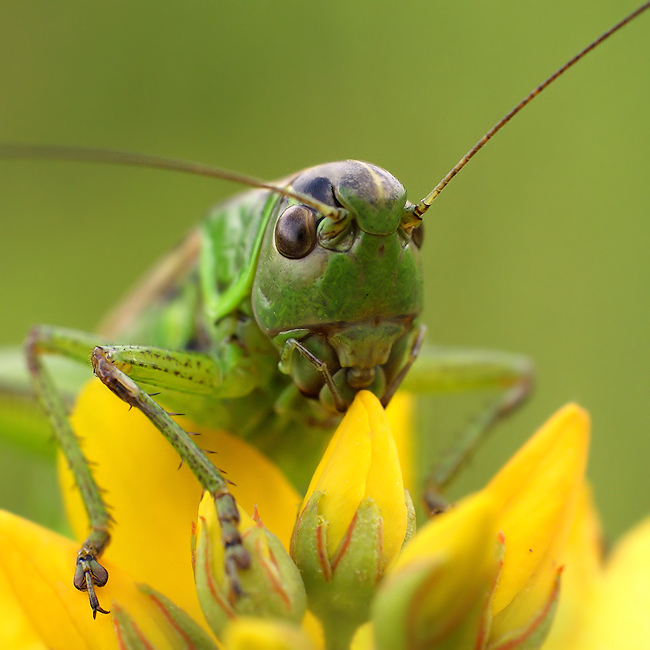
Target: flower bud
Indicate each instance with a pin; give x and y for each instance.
(437, 593)
(271, 587)
(354, 518)
(537, 493)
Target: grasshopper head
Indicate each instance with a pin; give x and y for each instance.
(349, 290)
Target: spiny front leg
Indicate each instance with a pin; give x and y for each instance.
(209, 477)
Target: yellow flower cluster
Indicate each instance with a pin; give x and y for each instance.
(516, 565)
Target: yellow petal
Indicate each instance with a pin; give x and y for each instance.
(258, 634)
(153, 502)
(400, 420)
(364, 638)
(39, 565)
(451, 533)
(537, 492)
(15, 629)
(208, 516)
(342, 472)
(618, 615)
(384, 483)
(583, 572)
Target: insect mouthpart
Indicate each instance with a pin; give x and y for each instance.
(333, 363)
(360, 378)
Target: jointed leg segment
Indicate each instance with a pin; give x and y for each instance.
(89, 572)
(439, 370)
(82, 347)
(207, 474)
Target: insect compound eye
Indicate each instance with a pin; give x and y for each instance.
(295, 232)
(418, 235)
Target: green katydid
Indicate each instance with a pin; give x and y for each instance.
(260, 321)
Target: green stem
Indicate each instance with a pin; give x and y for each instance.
(338, 633)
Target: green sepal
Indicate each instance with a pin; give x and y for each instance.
(390, 610)
(339, 589)
(486, 619)
(400, 616)
(308, 545)
(285, 599)
(395, 613)
(271, 587)
(130, 636)
(189, 632)
(213, 599)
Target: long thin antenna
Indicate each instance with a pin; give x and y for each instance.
(425, 203)
(109, 156)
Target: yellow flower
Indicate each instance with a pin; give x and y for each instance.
(361, 462)
(583, 570)
(537, 493)
(436, 593)
(154, 504)
(618, 612)
(484, 575)
(353, 521)
(604, 602)
(37, 565)
(16, 630)
(270, 587)
(440, 592)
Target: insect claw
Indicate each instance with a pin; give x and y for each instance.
(95, 606)
(180, 465)
(153, 394)
(89, 574)
(172, 414)
(434, 502)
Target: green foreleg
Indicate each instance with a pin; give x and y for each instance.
(207, 474)
(120, 368)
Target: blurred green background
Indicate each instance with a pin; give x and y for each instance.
(540, 246)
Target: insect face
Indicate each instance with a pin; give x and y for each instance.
(348, 289)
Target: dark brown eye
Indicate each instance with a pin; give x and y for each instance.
(418, 235)
(295, 232)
